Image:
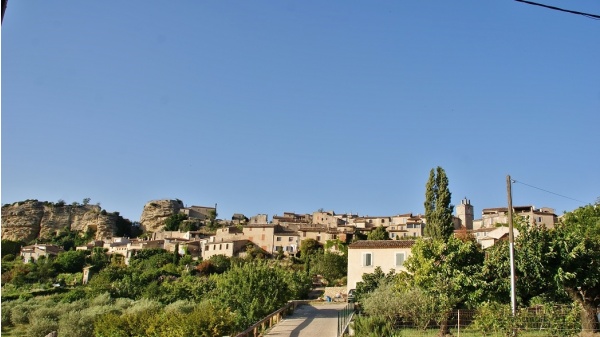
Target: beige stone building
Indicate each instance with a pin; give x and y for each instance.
(262, 235)
(228, 248)
(365, 256)
(489, 236)
(201, 213)
(259, 219)
(326, 219)
(34, 252)
(491, 217)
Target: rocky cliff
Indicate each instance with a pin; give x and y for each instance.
(156, 212)
(31, 219)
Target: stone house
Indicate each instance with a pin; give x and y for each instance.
(229, 248)
(540, 216)
(199, 212)
(365, 255)
(34, 252)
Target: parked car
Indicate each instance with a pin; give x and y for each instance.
(351, 295)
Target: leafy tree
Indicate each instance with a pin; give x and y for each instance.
(256, 289)
(173, 222)
(577, 242)
(86, 201)
(447, 271)
(98, 258)
(372, 281)
(11, 247)
(438, 211)
(221, 263)
(331, 266)
(378, 233)
(71, 261)
(309, 247)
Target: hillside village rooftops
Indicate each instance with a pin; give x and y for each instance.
(266, 225)
(375, 244)
(226, 241)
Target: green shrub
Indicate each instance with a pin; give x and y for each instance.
(373, 326)
(123, 303)
(102, 299)
(76, 324)
(74, 295)
(6, 316)
(41, 327)
(20, 313)
(45, 313)
(181, 306)
(493, 318)
(8, 258)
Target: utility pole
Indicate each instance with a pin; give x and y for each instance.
(511, 240)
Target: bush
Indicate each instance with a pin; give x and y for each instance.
(20, 313)
(73, 295)
(6, 316)
(181, 306)
(45, 313)
(372, 326)
(102, 299)
(76, 324)
(8, 258)
(41, 327)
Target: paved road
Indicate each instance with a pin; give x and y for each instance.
(309, 321)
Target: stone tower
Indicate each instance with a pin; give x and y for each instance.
(464, 212)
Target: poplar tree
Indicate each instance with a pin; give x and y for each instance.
(438, 211)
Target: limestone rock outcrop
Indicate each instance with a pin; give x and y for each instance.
(157, 211)
(31, 219)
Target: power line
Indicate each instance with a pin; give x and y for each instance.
(587, 15)
(541, 189)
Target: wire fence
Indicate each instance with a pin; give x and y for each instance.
(542, 321)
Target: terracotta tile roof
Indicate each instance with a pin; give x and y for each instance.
(382, 244)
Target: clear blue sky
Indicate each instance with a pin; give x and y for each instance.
(274, 106)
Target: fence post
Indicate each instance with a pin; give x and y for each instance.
(458, 322)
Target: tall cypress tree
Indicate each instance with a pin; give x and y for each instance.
(438, 211)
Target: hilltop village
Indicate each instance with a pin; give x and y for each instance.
(283, 234)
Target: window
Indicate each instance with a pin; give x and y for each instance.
(367, 260)
(226, 246)
(410, 226)
(279, 238)
(399, 259)
(319, 238)
(290, 239)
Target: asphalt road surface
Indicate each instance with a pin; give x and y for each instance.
(309, 321)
